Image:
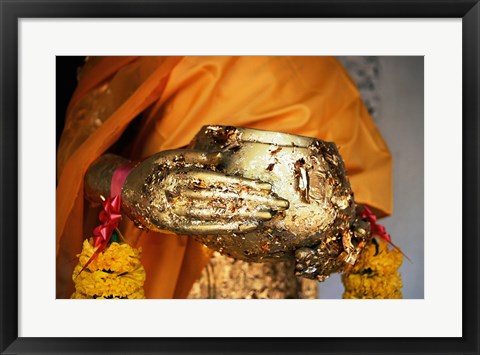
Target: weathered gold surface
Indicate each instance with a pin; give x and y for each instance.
(225, 277)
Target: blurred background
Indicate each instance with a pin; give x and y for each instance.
(392, 89)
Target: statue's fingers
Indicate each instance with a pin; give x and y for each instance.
(200, 227)
(230, 212)
(211, 178)
(268, 201)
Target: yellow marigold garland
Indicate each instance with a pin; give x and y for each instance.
(375, 274)
(115, 273)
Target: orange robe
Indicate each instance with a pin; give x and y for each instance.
(172, 98)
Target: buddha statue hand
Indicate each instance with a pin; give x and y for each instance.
(181, 191)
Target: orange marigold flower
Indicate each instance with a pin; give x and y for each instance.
(117, 272)
(375, 274)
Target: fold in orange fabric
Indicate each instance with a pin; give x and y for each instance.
(173, 97)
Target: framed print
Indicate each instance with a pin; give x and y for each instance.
(394, 85)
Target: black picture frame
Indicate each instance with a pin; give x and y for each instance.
(12, 11)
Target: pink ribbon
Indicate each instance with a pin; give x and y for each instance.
(118, 179)
(378, 229)
(110, 215)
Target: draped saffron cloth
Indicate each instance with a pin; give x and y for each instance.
(170, 99)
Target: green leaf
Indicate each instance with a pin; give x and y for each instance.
(115, 237)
